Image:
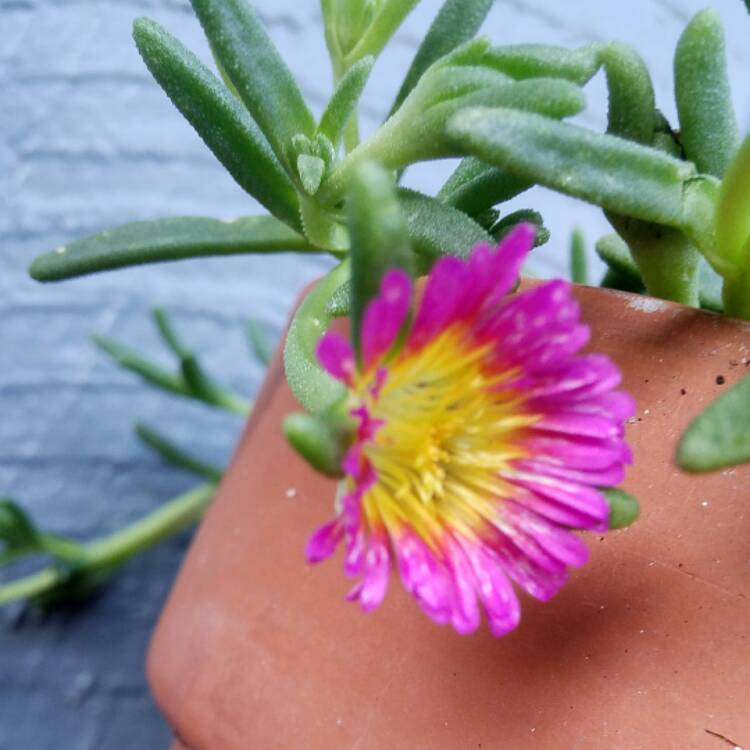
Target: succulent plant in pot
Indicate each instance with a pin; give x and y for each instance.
(456, 432)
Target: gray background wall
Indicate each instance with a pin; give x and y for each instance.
(87, 140)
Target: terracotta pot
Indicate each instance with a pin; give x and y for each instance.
(646, 647)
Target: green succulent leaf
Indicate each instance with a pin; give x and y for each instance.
(378, 237)
(416, 132)
(311, 385)
(616, 174)
(389, 15)
(612, 279)
(129, 359)
(623, 507)
(507, 224)
(322, 226)
(614, 251)
(190, 381)
(195, 380)
(632, 106)
(339, 303)
(17, 531)
(220, 120)
(322, 439)
(718, 437)
(436, 229)
(174, 455)
(578, 263)
(732, 221)
(546, 61)
(457, 22)
(667, 260)
(311, 170)
(474, 186)
(711, 284)
(168, 334)
(343, 103)
(344, 22)
(259, 74)
(708, 126)
(166, 240)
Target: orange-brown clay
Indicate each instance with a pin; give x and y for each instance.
(648, 646)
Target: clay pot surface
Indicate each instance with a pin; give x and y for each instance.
(646, 647)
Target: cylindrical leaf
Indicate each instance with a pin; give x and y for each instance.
(322, 439)
(311, 386)
(173, 454)
(257, 70)
(457, 21)
(611, 172)
(578, 262)
(344, 100)
(545, 61)
(667, 260)
(507, 224)
(708, 127)
(221, 121)
(17, 531)
(165, 240)
(732, 222)
(614, 251)
(719, 436)
(436, 229)
(417, 131)
(389, 16)
(632, 112)
(378, 237)
(474, 186)
(623, 507)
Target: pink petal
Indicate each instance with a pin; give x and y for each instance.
(509, 257)
(424, 577)
(577, 452)
(437, 308)
(460, 290)
(608, 477)
(322, 544)
(384, 316)
(377, 565)
(336, 355)
(495, 591)
(576, 424)
(540, 584)
(466, 616)
(579, 378)
(567, 503)
(564, 546)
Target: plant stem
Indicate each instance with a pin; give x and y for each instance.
(114, 550)
(667, 261)
(351, 132)
(29, 586)
(173, 454)
(736, 296)
(578, 266)
(175, 515)
(61, 548)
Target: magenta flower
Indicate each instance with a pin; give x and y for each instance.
(480, 444)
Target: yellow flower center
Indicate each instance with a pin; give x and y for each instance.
(448, 431)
